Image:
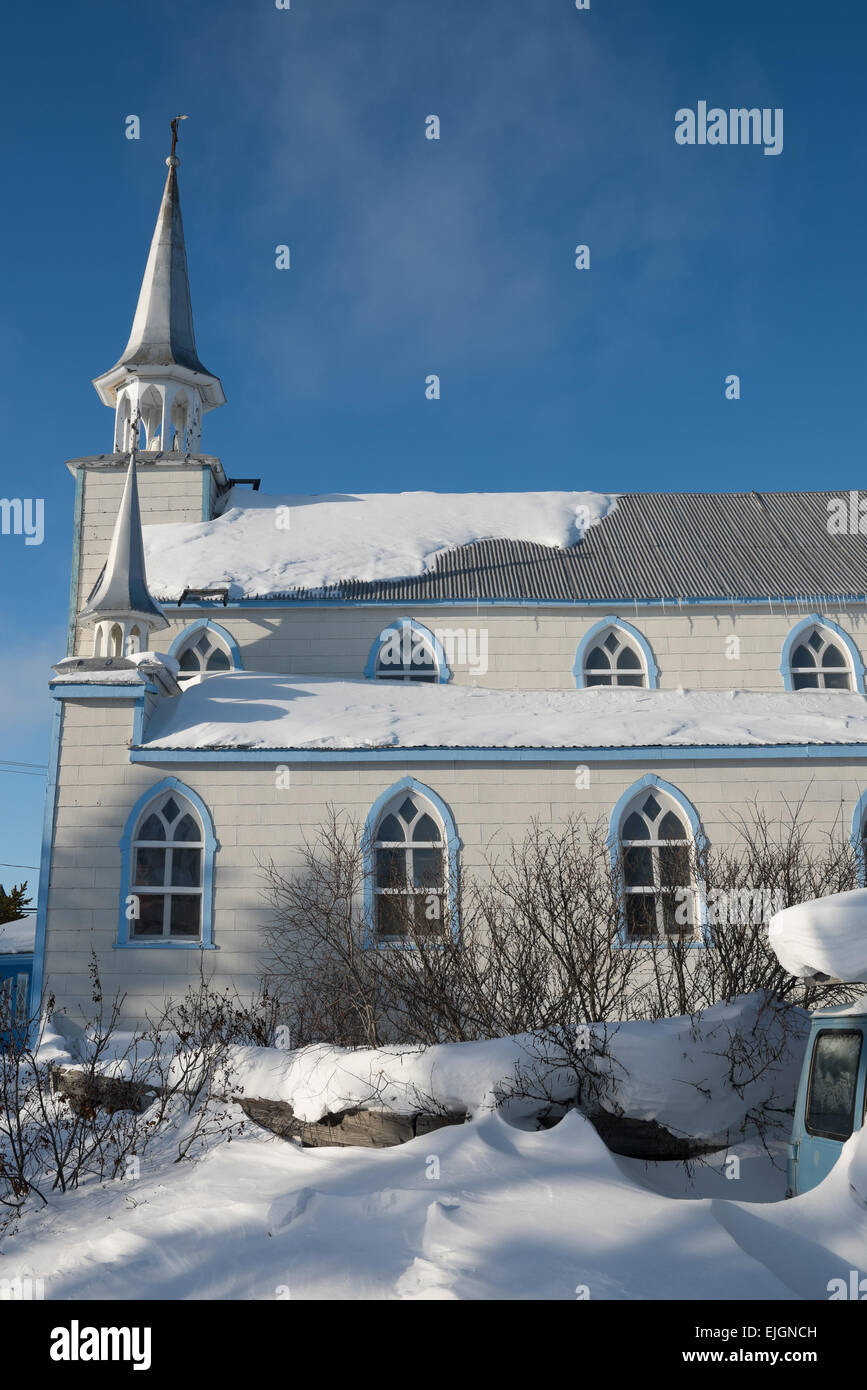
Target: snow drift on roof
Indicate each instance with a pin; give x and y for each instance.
(827, 936)
(264, 545)
(245, 709)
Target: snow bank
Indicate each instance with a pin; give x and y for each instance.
(827, 936)
(246, 709)
(674, 1071)
(264, 545)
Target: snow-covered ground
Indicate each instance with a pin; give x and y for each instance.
(481, 1211)
(266, 545)
(490, 1209)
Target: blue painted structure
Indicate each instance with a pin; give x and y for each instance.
(816, 1144)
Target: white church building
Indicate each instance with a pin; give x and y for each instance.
(446, 668)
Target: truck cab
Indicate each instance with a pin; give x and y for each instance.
(831, 1094)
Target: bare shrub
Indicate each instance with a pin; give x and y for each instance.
(537, 942)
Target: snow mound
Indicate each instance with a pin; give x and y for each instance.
(677, 1071)
(249, 709)
(265, 545)
(825, 937)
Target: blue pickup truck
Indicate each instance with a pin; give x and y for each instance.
(831, 1094)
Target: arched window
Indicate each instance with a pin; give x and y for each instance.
(167, 863)
(412, 865)
(660, 873)
(180, 416)
(204, 649)
(115, 640)
(820, 655)
(614, 653)
(407, 651)
(820, 661)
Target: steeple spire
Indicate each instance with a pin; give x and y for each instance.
(159, 370)
(120, 606)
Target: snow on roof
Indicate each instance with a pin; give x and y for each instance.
(264, 545)
(244, 709)
(827, 936)
(18, 937)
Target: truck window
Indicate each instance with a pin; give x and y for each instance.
(833, 1082)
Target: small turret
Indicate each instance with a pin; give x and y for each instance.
(120, 607)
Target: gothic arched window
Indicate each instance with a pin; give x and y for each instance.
(659, 870)
(204, 649)
(614, 653)
(410, 874)
(820, 661)
(407, 651)
(167, 870)
(614, 661)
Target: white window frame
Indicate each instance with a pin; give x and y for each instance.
(167, 890)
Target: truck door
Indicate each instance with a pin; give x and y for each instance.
(829, 1110)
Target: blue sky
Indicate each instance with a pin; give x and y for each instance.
(412, 256)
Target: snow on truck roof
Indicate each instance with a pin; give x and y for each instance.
(827, 936)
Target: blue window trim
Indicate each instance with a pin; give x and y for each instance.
(124, 941)
(590, 638)
(651, 780)
(203, 624)
(816, 620)
(859, 826)
(453, 849)
(400, 625)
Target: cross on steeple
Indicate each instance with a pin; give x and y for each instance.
(174, 125)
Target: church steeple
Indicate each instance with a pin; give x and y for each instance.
(120, 607)
(158, 376)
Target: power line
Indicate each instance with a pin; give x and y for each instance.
(4, 865)
(12, 763)
(19, 772)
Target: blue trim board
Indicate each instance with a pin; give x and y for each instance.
(202, 624)
(794, 636)
(36, 979)
(206, 493)
(722, 601)
(591, 638)
(403, 625)
(646, 753)
(453, 849)
(124, 941)
(76, 560)
(86, 691)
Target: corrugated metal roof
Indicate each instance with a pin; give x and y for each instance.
(651, 547)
